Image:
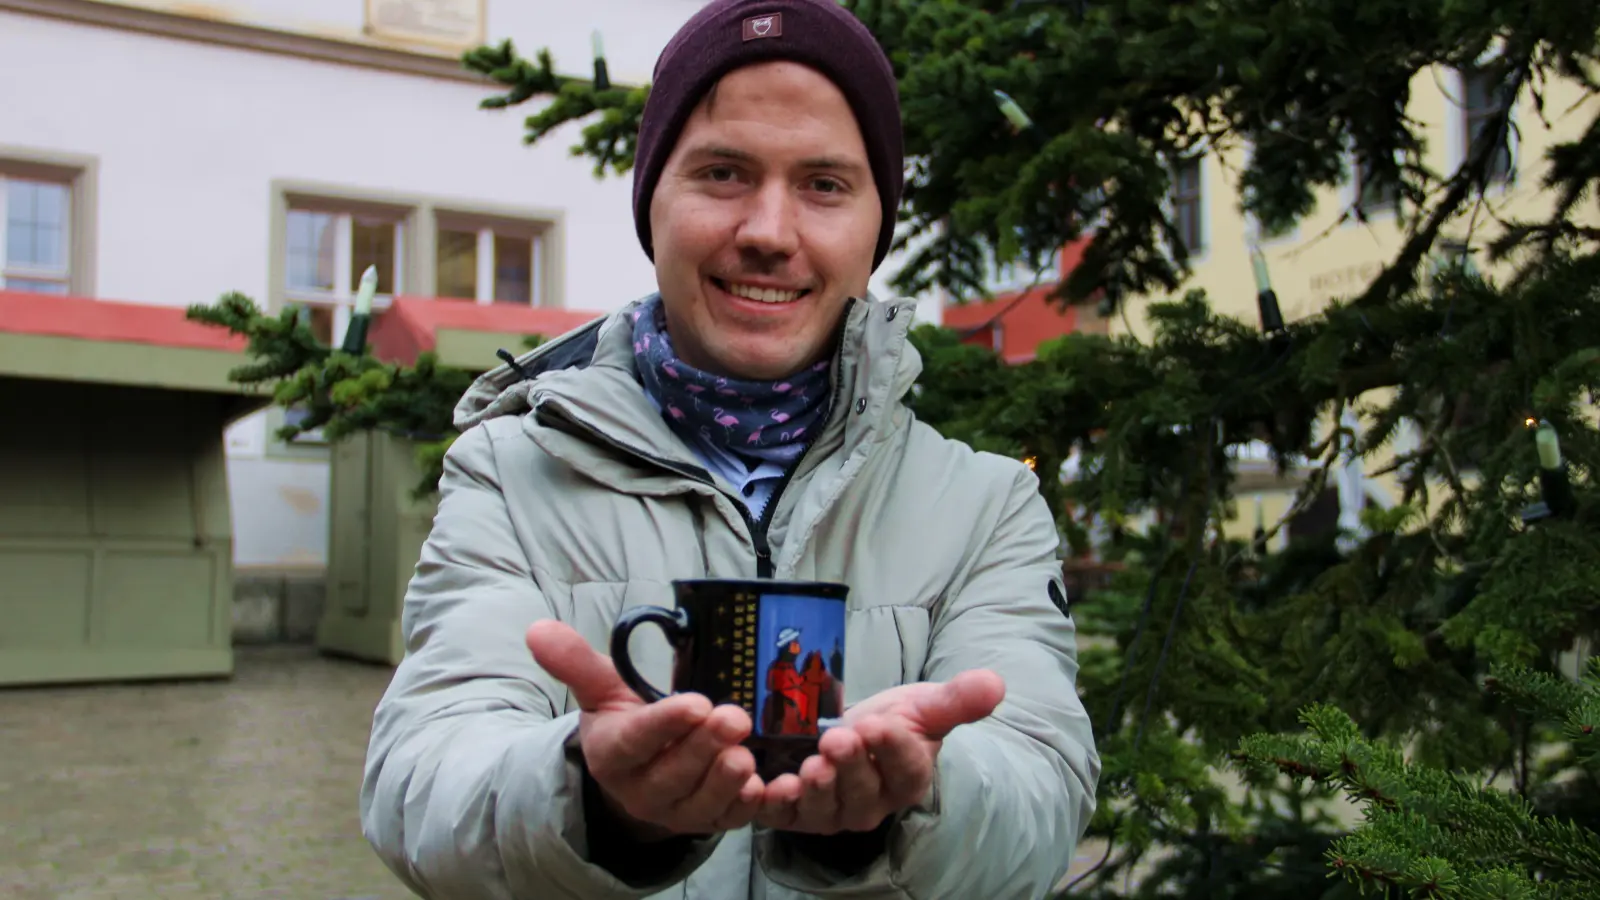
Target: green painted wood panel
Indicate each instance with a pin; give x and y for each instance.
(116, 541)
(376, 533)
(68, 359)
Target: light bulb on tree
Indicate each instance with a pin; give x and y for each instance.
(1549, 444)
(1013, 112)
(602, 76)
(1555, 489)
(355, 336)
(1266, 298)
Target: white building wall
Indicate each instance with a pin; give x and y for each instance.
(189, 138)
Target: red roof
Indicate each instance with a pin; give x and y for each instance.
(106, 320)
(411, 324)
(1024, 320)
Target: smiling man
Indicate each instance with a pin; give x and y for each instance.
(746, 420)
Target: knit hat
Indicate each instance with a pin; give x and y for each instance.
(729, 34)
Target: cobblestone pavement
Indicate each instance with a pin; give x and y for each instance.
(220, 790)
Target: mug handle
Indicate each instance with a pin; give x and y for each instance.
(673, 622)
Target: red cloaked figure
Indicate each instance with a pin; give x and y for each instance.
(789, 710)
(821, 689)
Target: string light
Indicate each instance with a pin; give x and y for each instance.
(1555, 489)
(355, 335)
(1266, 298)
(1014, 113)
(602, 77)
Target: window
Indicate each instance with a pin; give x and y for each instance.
(1187, 209)
(36, 234)
(1374, 192)
(1486, 96)
(326, 251)
(501, 262)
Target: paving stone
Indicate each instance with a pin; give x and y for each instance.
(225, 790)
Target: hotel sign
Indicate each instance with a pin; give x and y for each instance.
(452, 24)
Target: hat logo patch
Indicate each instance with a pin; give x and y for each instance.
(763, 26)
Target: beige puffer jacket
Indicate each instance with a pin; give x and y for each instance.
(567, 496)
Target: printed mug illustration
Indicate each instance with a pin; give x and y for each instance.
(800, 655)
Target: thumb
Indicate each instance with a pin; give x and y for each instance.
(962, 700)
(569, 659)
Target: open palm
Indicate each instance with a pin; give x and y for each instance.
(880, 758)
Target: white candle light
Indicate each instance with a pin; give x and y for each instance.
(369, 286)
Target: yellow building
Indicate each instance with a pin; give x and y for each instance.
(1332, 254)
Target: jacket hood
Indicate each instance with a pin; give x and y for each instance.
(592, 369)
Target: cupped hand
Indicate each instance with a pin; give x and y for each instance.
(880, 759)
(666, 768)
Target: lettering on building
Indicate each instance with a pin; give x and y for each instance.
(1345, 281)
(455, 24)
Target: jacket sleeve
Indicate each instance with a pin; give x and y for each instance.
(1013, 794)
(473, 787)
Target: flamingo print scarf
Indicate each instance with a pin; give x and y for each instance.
(741, 416)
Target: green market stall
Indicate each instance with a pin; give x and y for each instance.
(116, 542)
(376, 527)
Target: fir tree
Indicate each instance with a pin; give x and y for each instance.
(1030, 123)
(1437, 833)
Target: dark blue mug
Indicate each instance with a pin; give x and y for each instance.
(774, 648)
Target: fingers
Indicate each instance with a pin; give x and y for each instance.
(819, 803)
(780, 802)
(742, 811)
(692, 783)
(678, 773)
(569, 659)
(904, 759)
(622, 742)
(962, 700)
(717, 794)
(860, 786)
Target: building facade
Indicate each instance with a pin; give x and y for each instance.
(165, 152)
(1334, 254)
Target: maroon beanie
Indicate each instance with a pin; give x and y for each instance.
(729, 34)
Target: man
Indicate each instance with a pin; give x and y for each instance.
(745, 421)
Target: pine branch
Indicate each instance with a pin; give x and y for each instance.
(610, 141)
(1432, 833)
(343, 394)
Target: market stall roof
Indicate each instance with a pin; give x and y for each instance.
(60, 338)
(465, 334)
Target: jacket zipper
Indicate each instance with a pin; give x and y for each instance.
(758, 529)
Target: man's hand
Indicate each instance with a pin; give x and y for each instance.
(666, 768)
(881, 757)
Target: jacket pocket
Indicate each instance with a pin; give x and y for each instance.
(885, 646)
(911, 622)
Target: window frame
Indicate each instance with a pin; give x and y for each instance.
(79, 174)
(416, 251)
(345, 211)
(1463, 117)
(1174, 203)
(538, 230)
